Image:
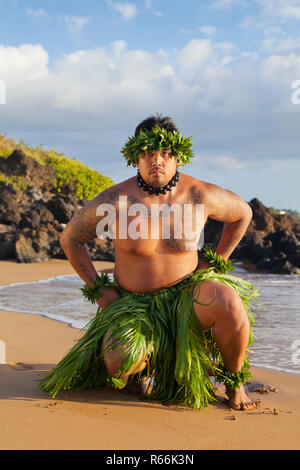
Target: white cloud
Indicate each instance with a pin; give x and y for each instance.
(200, 51)
(221, 162)
(2, 92)
(229, 163)
(235, 106)
(167, 70)
(127, 10)
(285, 44)
(292, 12)
(207, 29)
(201, 74)
(119, 47)
(149, 6)
(76, 23)
(284, 9)
(224, 4)
(221, 3)
(272, 12)
(195, 53)
(274, 19)
(21, 64)
(36, 13)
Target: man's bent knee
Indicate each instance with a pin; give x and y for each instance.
(220, 303)
(114, 359)
(233, 311)
(113, 366)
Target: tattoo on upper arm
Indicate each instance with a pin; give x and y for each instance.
(196, 195)
(82, 227)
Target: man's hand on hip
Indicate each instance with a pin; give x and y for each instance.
(109, 295)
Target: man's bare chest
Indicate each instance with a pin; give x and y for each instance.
(141, 226)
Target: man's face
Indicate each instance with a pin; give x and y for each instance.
(157, 168)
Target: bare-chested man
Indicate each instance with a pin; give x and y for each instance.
(147, 265)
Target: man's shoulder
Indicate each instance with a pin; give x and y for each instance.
(197, 186)
(194, 181)
(111, 194)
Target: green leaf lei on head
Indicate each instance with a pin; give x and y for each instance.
(158, 139)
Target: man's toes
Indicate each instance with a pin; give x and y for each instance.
(247, 406)
(250, 405)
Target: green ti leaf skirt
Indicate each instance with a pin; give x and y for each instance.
(163, 325)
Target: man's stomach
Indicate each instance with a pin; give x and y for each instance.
(138, 273)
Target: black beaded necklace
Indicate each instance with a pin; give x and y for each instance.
(162, 189)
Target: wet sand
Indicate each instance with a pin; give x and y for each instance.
(107, 419)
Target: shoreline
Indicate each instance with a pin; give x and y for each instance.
(109, 420)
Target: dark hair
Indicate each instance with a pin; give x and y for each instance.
(165, 122)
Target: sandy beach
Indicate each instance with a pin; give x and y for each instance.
(107, 419)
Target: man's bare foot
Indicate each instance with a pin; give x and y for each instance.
(135, 386)
(238, 399)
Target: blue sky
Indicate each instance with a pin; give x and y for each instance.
(145, 26)
(79, 77)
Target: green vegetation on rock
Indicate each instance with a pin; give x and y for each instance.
(17, 181)
(70, 174)
(87, 183)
